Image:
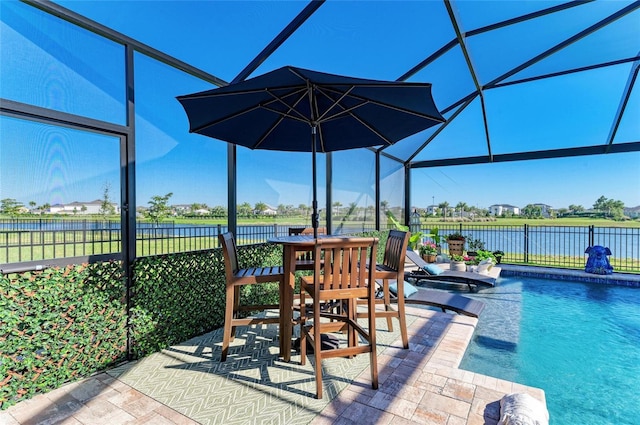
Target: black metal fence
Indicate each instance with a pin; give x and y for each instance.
(554, 246)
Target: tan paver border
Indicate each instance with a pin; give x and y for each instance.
(424, 384)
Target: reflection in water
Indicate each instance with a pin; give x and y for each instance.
(495, 344)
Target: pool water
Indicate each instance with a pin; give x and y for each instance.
(579, 342)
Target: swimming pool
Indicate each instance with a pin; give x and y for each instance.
(580, 342)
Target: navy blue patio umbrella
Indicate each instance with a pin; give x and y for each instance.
(298, 110)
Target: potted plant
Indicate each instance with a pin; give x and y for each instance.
(457, 263)
(456, 243)
(483, 255)
(435, 236)
(414, 240)
(473, 246)
(471, 261)
(498, 256)
(428, 252)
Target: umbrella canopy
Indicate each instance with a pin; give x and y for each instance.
(295, 109)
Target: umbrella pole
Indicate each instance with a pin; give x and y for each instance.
(315, 217)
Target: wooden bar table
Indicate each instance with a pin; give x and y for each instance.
(290, 246)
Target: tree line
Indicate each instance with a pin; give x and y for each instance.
(159, 209)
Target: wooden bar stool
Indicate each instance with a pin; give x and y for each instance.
(392, 268)
(340, 277)
(236, 278)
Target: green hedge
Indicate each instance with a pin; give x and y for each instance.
(59, 325)
(63, 324)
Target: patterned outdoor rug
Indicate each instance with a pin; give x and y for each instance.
(253, 386)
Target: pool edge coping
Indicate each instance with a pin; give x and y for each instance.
(619, 279)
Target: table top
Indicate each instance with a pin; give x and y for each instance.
(299, 239)
(306, 239)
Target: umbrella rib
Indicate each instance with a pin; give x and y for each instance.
(223, 119)
(282, 115)
(268, 132)
(345, 111)
(372, 129)
(285, 115)
(209, 94)
(386, 105)
(279, 99)
(348, 112)
(243, 111)
(335, 102)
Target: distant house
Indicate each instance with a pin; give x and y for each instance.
(632, 212)
(81, 208)
(55, 209)
(431, 210)
(499, 209)
(270, 211)
(547, 210)
(180, 209)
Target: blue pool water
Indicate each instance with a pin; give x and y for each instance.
(579, 342)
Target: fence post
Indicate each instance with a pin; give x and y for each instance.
(591, 235)
(526, 243)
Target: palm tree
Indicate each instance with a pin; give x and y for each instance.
(443, 206)
(337, 206)
(576, 208)
(260, 207)
(461, 207)
(219, 211)
(244, 209)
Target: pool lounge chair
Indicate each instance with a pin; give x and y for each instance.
(440, 299)
(472, 279)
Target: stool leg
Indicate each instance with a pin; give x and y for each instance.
(387, 303)
(373, 360)
(228, 322)
(402, 318)
(317, 348)
(303, 322)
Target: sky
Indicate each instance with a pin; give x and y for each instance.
(379, 40)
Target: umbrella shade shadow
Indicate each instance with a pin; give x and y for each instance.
(190, 378)
(252, 361)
